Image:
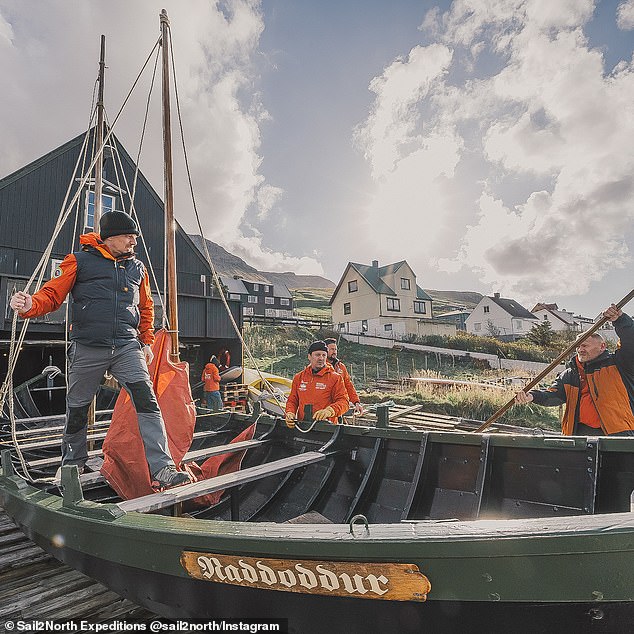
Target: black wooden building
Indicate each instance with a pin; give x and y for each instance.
(30, 202)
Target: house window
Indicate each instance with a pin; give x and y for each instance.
(477, 327)
(393, 304)
(486, 308)
(252, 299)
(405, 284)
(285, 302)
(247, 310)
(546, 317)
(420, 308)
(364, 325)
(352, 286)
(234, 296)
(256, 287)
(518, 324)
(107, 204)
(346, 308)
(269, 312)
(387, 327)
(269, 300)
(266, 288)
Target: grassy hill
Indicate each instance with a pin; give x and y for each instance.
(446, 301)
(312, 303)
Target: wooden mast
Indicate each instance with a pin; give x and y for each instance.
(170, 237)
(97, 209)
(99, 140)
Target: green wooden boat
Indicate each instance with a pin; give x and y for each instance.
(362, 529)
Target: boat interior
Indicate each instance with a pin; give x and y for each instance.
(331, 474)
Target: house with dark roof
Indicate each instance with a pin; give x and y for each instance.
(259, 299)
(496, 316)
(383, 301)
(559, 319)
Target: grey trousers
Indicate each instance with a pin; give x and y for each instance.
(87, 366)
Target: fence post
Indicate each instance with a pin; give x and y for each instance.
(364, 375)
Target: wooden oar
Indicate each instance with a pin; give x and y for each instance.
(566, 353)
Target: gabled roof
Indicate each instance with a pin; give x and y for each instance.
(374, 275)
(512, 308)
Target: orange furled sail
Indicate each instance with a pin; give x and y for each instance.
(125, 467)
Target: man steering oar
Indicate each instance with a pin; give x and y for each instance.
(597, 386)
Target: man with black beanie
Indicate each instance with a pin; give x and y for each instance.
(317, 385)
(111, 331)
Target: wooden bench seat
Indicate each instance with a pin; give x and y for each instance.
(165, 499)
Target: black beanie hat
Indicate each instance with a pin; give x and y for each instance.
(117, 223)
(317, 345)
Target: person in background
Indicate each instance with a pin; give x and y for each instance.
(211, 377)
(317, 385)
(224, 360)
(112, 330)
(597, 386)
(341, 369)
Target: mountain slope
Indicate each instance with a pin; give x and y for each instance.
(228, 264)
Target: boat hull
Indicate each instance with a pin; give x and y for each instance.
(569, 572)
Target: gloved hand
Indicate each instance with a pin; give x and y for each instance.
(323, 414)
(290, 420)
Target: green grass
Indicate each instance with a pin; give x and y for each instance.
(312, 303)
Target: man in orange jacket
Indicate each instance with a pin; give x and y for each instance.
(317, 385)
(211, 389)
(112, 329)
(597, 386)
(341, 369)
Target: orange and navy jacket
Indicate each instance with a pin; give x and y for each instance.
(322, 389)
(112, 299)
(611, 382)
(211, 377)
(341, 369)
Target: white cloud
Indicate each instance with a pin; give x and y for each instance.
(544, 119)
(267, 197)
(625, 15)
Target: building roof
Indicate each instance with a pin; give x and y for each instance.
(374, 275)
(233, 285)
(512, 307)
(281, 290)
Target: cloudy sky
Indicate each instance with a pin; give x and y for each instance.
(488, 143)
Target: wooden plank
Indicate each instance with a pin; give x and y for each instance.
(157, 501)
(404, 412)
(51, 462)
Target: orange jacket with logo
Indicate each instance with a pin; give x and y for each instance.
(52, 294)
(211, 377)
(341, 369)
(611, 383)
(323, 389)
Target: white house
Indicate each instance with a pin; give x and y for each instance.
(383, 301)
(499, 317)
(559, 319)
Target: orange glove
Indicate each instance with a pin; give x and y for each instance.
(290, 420)
(323, 414)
